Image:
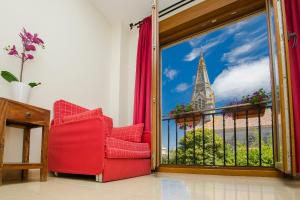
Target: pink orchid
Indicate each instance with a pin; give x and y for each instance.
(27, 34)
(22, 36)
(29, 42)
(13, 51)
(30, 47)
(37, 40)
(29, 57)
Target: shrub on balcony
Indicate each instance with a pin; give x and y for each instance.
(257, 100)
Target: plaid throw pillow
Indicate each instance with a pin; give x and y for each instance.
(129, 133)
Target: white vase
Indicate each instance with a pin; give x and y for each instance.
(20, 91)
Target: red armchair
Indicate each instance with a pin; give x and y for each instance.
(83, 141)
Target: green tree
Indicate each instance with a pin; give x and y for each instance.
(206, 157)
(214, 154)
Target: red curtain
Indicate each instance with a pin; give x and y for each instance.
(293, 22)
(142, 97)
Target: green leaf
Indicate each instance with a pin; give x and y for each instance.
(9, 77)
(33, 84)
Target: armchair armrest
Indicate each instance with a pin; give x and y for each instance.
(77, 147)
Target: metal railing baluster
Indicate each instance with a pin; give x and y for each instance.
(185, 146)
(168, 141)
(259, 132)
(247, 138)
(273, 163)
(194, 138)
(224, 142)
(203, 140)
(214, 142)
(235, 145)
(176, 145)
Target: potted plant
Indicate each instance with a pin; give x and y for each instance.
(20, 90)
(254, 104)
(184, 117)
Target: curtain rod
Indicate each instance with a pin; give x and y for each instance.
(165, 11)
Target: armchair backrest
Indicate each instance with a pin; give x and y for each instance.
(63, 108)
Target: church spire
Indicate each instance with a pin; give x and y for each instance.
(203, 95)
(201, 53)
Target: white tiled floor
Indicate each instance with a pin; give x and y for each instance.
(159, 186)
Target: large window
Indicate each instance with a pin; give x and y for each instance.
(207, 75)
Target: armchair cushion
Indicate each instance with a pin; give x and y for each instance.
(88, 115)
(91, 114)
(116, 148)
(129, 133)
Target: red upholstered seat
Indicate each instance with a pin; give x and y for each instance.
(116, 148)
(83, 141)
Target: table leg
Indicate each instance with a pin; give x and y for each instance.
(44, 154)
(3, 109)
(26, 147)
(2, 129)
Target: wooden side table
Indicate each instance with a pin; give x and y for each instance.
(26, 117)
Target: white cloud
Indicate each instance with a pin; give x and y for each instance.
(182, 87)
(235, 54)
(170, 73)
(232, 30)
(243, 79)
(248, 59)
(236, 27)
(260, 30)
(240, 35)
(194, 42)
(212, 43)
(195, 53)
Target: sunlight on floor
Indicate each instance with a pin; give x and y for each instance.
(159, 186)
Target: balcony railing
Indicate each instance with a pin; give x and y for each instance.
(235, 136)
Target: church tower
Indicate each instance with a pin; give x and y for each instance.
(203, 97)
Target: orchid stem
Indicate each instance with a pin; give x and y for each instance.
(22, 64)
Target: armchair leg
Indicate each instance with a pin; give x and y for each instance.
(99, 178)
(55, 174)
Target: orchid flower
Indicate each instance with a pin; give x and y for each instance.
(29, 43)
(12, 51)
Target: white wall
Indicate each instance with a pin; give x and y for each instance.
(76, 64)
(133, 43)
(89, 59)
(127, 74)
(124, 47)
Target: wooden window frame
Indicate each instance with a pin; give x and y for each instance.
(203, 17)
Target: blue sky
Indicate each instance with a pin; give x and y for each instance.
(236, 57)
